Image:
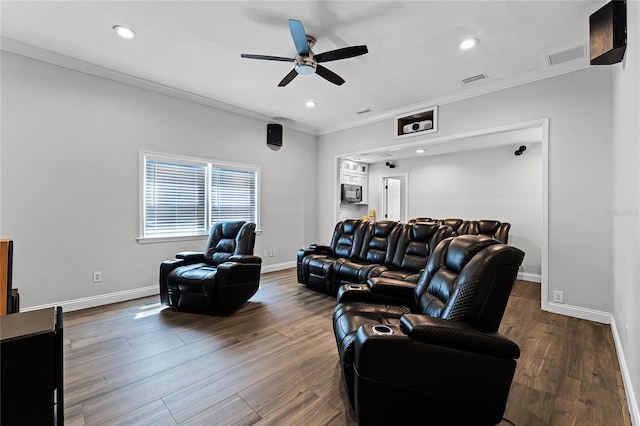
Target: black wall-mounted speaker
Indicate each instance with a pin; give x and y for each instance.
(608, 33)
(274, 136)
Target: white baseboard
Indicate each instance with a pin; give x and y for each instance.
(278, 266)
(632, 402)
(579, 312)
(122, 296)
(526, 276)
(99, 300)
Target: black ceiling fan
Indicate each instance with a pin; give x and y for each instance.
(306, 62)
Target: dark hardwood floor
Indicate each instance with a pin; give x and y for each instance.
(275, 362)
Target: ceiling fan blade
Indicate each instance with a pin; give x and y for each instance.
(299, 37)
(266, 57)
(345, 52)
(329, 75)
(287, 79)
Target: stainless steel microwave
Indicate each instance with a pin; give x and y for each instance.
(351, 193)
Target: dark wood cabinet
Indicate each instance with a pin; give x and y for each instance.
(31, 363)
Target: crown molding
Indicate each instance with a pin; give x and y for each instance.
(481, 88)
(33, 52)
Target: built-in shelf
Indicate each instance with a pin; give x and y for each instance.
(417, 123)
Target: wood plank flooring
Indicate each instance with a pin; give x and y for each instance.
(274, 362)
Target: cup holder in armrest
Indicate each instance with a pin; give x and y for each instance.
(382, 329)
(355, 287)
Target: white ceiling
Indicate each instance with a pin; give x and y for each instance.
(192, 49)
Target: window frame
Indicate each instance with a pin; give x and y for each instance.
(209, 164)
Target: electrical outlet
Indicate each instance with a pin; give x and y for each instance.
(558, 296)
(275, 252)
(626, 335)
(97, 277)
(266, 253)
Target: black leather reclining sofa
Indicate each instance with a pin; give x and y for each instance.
(360, 250)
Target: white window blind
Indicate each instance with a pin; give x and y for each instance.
(183, 197)
(233, 195)
(174, 198)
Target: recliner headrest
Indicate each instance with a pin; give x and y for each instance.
(463, 248)
(382, 229)
(422, 231)
(349, 226)
(230, 229)
(489, 227)
(452, 222)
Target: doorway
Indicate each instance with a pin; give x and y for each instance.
(391, 199)
(393, 189)
(505, 135)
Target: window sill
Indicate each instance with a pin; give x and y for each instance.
(168, 239)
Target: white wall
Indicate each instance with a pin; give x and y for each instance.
(625, 208)
(578, 106)
(70, 178)
(484, 184)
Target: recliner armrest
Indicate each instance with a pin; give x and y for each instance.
(397, 289)
(457, 335)
(233, 272)
(165, 268)
(191, 256)
(319, 248)
(384, 291)
(244, 258)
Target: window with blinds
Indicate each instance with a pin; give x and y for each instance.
(183, 197)
(233, 195)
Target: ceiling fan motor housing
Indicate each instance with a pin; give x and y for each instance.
(305, 65)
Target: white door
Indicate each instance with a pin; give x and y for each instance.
(391, 202)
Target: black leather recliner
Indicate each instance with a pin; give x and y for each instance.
(377, 249)
(431, 353)
(416, 241)
(315, 264)
(219, 280)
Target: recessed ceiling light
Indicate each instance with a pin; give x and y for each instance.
(310, 103)
(124, 32)
(468, 43)
(419, 151)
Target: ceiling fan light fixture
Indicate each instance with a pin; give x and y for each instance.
(468, 43)
(305, 68)
(124, 32)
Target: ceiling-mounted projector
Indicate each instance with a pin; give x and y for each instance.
(417, 126)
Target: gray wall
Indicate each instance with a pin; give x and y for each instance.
(625, 209)
(578, 106)
(70, 178)
(484, 184)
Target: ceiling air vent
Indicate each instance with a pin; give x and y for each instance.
(475, 78)
(566, 55)
(364, 111)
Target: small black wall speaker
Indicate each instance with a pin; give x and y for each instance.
(608, 33)
(274, 136)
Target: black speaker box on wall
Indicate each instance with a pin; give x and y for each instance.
(608, 33)
(274, 136)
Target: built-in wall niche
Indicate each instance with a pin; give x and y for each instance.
(417, 123)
